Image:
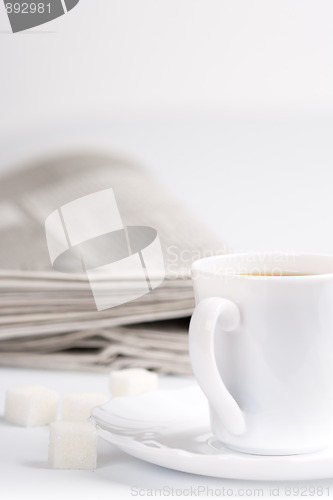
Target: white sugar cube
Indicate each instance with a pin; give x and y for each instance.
(31, 405)
(78, 405)
(73, 445)
(132, 381)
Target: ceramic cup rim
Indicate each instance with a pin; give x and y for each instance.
(318, 266)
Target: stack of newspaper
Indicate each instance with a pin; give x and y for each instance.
(49, 318)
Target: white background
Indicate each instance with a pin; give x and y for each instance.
(165, 55)
(229, 103)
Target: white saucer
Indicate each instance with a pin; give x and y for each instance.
(171, 429)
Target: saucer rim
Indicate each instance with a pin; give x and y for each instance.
(229, 464)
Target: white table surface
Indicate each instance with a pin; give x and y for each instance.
(25, 472)
(261, 183)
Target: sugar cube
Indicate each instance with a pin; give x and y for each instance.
(78, 405)
(132, 381)
(31, 405)
(73, 445)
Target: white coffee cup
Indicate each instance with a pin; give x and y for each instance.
(261, 349)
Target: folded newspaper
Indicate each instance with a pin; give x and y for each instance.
(48, 317)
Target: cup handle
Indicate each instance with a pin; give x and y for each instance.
(208, 314)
